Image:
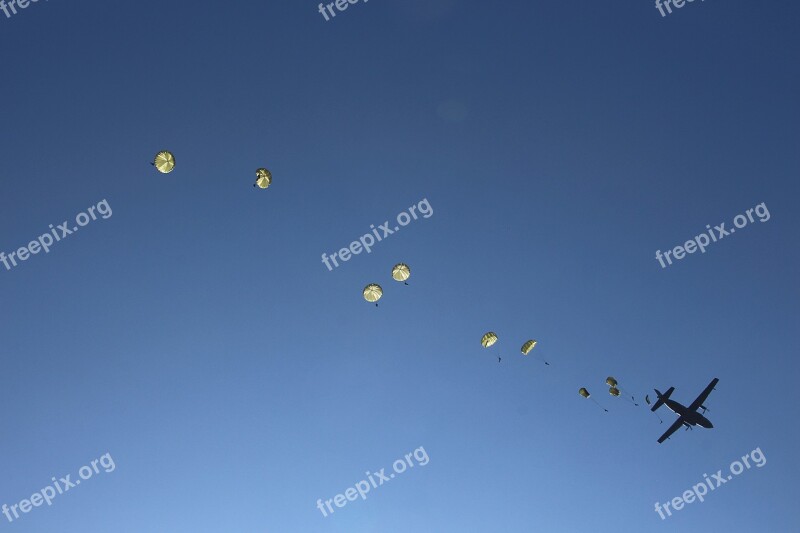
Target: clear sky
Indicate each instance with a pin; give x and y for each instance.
(196, 336)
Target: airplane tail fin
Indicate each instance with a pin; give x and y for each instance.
(661, 398)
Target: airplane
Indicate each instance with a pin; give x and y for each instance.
(688, 416)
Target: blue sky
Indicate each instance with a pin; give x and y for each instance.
(196, 336)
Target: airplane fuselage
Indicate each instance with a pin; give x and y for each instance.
(692, 418)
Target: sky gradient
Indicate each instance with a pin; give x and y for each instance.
(196, 336)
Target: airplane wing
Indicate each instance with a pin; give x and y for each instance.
(672, 429)
(703, 395)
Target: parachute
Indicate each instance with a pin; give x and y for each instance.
(528, 346)
(615, 390)
(401, 272)
(489, 339)
(373, 293)
(263, 178)
(585, 393)
(164, 162)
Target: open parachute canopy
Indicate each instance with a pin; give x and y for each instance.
(489, 339)
(263, 178)
(611, 382)
(583, 392)
(401, 272)
(528, 346)
(613, 391)
(164, 162)
(373, 292)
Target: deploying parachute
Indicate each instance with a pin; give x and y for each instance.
(263, 178)
(373, 293)
(489, 339)
(164, 162)
(528, 346)
(401, 272)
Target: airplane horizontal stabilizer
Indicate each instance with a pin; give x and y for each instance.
(661, 398)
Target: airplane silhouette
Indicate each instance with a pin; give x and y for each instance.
(688, 416)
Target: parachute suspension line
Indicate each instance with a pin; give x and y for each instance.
(631, 401)
(529, 346)
(616, 390)
(598, 405)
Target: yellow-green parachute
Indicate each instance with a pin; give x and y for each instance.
(263, 178)
(373, 292)
(401, 272)
(489, 339)
(616, 390)
(164, 162)
(528, 346)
